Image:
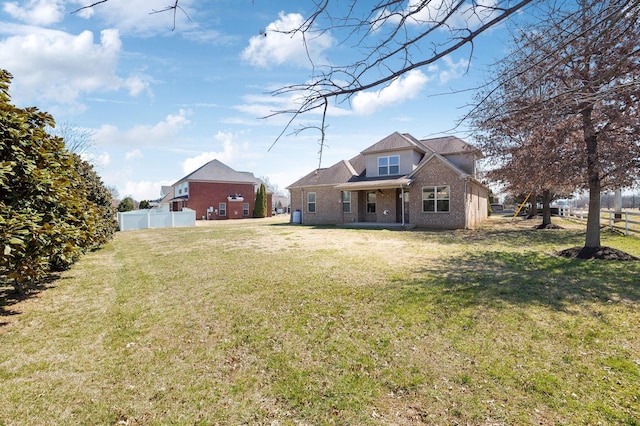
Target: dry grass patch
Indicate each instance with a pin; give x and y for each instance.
(260, 322)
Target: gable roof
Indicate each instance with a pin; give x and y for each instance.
(449, 145)
(351, 174)
(216, 171)
(438, 157)
(166, 193)
(338, 173)
(395, 141)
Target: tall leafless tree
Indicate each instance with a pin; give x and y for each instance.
(525, 156)
(587, 61)
(77, 140)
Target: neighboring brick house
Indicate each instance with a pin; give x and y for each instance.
(427, 183)
(216, 191)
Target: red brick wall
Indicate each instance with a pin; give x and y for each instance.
(203, 195)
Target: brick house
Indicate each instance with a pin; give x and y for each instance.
(216, 191)
(400, 180)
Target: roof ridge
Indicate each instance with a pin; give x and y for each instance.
(350, 167)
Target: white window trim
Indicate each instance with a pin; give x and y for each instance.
(314, 202)
(388, 166)
(222, 207)
(346, 202)
(435, 199)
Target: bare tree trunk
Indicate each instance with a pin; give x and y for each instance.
(546, 208)
(593, 219)
(533, 202)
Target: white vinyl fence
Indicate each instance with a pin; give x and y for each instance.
(625, 221)
(143, 219)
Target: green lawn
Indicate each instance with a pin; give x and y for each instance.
(260, 322)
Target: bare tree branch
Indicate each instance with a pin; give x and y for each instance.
(169, 8)
(90, 6)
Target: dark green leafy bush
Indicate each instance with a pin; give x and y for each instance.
(53, 206)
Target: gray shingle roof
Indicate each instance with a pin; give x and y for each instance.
(216, 171)
(352, 173)
(448, 145)
(338, 173)
(393, 142)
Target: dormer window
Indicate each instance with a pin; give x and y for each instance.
(389, 165)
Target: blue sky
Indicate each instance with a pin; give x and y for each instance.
(162, 102)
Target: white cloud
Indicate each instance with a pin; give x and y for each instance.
(143, 190)
(277, 46)
(57, 67)
(419, 12)
(36, 12)
(233, 150)
(262, 106)
(402, 88)
(163, 132)
(136, 153)
(453, 70)
(98, 160)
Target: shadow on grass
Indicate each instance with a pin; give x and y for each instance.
(9, 297)
(301, 225)
(506, 237)
(530, 278)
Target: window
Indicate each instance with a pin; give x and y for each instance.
(346, 202)
(435, 199)
(222, 209)
(245, 209)
(389, 165)
(183, 188)
(311, 202)
(371, 202)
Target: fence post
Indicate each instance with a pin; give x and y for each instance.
(611, 220)
(626, 226)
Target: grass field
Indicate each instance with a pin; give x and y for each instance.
(260, 322)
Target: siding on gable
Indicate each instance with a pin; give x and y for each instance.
(407, 161)
(478, 208)
(465, 162)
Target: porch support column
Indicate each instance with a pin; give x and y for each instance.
(402, 201)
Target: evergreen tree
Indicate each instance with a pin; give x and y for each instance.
(126, 205)
(260, 209)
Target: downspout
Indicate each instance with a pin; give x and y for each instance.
(466, 205)
(302, 206)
